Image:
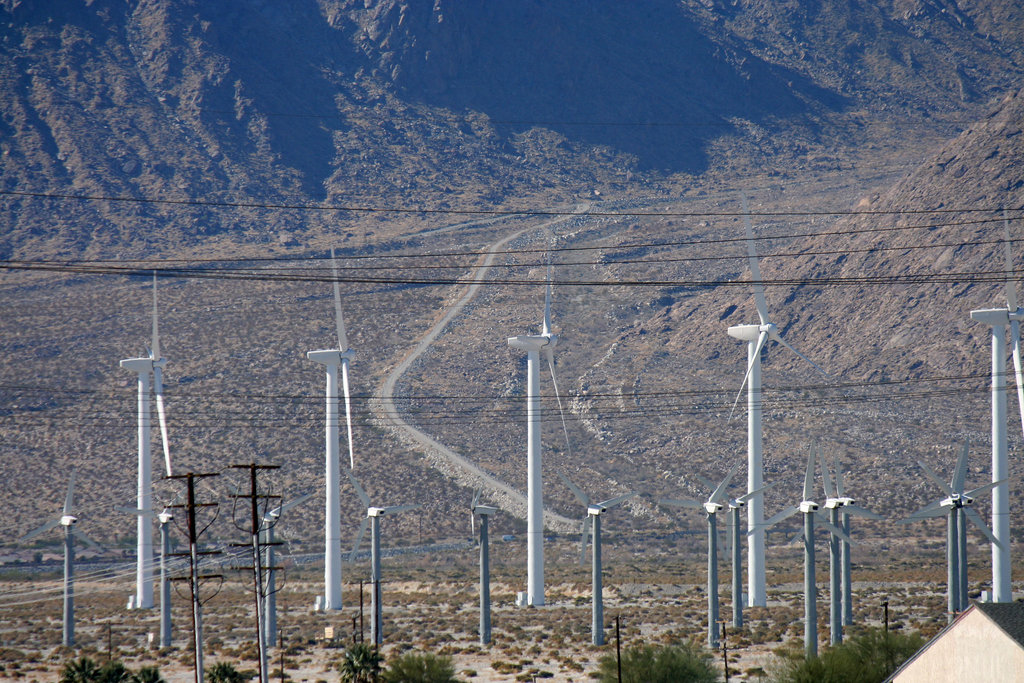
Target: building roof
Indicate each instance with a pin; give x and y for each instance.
(1009, 616)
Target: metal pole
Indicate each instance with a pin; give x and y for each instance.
(597, 617)
(835, 615)
(165, 585)
(485, 583)
(725, 653)
(618, 648)
(952, 566)
(810, 590)
(712, 581)
(197, 619)
(962, 533)
(1001, 588)
(737, 571)
(376, 620)
(756, 588)
(534, 493)
(69, 588)
(270, 603)
(847, 581)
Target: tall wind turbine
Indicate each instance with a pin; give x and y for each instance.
(373, 515)
(66, 520)
(592, 527)
(998, 318)
(809, 509)
(955, 507)
(756, 337)
(143, 367)
(270, 604)
(334, 359)
(485, 512)
(840, 507)
(533, 345)
(715, 503)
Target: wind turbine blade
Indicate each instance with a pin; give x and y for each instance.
(826, 477)
(858, 511)
(291, 503)
(161, 414)
(755, 270)
(395, 509)
(359, 538)
(719, 493)
(809, 475)
(983, 489)
(581, 496)
(1018, 367)
(348, 412)
(960, 473)
(833, 529)
(839, 477)
(40, 530)
(340, 321)
(707, 483)
(70, 495)
(778, 517)
(359, 489)
(472, 522)
(547, 303)
(156, 328)
(549, 353)
(476, 499)
(761, 340)
(1011, 286)
(925, 513)
(789, 346)
(85, 539)
(583, 539)
(612, 502)
(747, 497)
(682, 503)
(980, 523)
(935, 478)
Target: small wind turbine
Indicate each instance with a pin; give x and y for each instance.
(955, 507)
(143, 366)
(839, 507)
(373, 515)
(533, 345)
(809, 509)
(334, 359)
(756, 337)
(270, 604)
(714, 504)
(998, 318)
(66, 520)
(165, 519)
(592, 526)
(485, 511)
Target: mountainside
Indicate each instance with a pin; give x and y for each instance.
(229, 145)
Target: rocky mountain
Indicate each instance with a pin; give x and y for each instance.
(877, 143)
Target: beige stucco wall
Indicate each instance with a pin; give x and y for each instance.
(974, 650)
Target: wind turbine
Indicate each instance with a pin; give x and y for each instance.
(809, 509)
(270, 604)
(840, 507)
(334, 359)
(714, 504)
(756, 337)
(373, 515)
(66, 520)
(955, 507)
(998, 318)
(592, 525)
(533, 345)
(165, 519)
(143, 367)
(485, 511)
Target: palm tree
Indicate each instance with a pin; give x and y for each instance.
(148, 674)
(81, 670)
(361, 664)
(222, 672)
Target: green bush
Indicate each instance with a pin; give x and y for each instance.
(360, 664)
(687, 663)
(415, 667)
(867, 658)
(223, 672)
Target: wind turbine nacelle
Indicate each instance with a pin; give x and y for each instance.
(845, 500)
(68, 520)
(330, 356)
(376, 512)
(595, 510)
(529, 343)
(164, 517)
(991, 316)
(747, 333)
(139, 365)
(808, 506)
(485, 510)
(712, 508)
(833, 503)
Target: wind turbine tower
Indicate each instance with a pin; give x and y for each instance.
(334, 360)
(997, 319)
(533, 345)
(270, 604)
(153, 364)
(485, 512)
(756, 337)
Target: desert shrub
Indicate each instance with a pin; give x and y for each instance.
(867, 658)
(684, 663)
(415, 667)
(360, 664)
(223, 672)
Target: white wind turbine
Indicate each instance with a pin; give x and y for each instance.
(334, 359)
(533, 345)
(270, 604)
(998, 318)
(756, 337)
(714, 504)
(840, 507)
(373, 515)
(485, 512)
(66, 520)
(955, 506)
(592, 527)
(143, 366)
